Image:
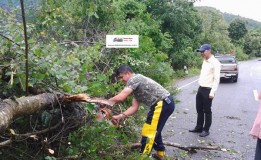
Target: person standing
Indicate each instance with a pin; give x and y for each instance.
(153, 95)
(208, 83)
(256, 131)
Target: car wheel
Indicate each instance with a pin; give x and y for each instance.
(235, 79)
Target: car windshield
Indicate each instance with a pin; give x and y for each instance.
(226, 59)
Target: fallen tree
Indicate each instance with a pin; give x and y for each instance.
(32, 126)
(13, 108)
(57, 131)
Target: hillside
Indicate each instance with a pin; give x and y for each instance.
(251, 24)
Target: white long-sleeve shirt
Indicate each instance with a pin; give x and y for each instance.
(210, 74)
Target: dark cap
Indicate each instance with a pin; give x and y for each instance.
(204, 47)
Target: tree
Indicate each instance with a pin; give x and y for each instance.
(179, 18)
(252, 45)
(181, 21)
(237, 30)
(214, 30)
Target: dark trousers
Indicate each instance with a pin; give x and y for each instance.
(203, 106)
(156, 119)
(258, 150)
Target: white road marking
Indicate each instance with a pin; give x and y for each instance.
(255, 94)
(187, 84)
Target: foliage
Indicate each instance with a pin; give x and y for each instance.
(240, 55)
(12, 51)
(186, 58)
(100, 140)
(237, 30)
(67, 54)
(153, 43)
(251, 24)
(89, 141)
(179, 19)
(253, 42)
(77, 20)
(69, 71)
(215, 30)
(162, 72)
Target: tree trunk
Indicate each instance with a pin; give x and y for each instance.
(12, 108)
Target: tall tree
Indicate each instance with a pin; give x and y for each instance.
(181, 21)
(252, 45)
(214, 30)
(179, 18)
(237, 30)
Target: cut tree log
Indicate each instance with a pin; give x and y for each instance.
(13, 108)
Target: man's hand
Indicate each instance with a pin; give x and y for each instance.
(211, 97)
(118, 117)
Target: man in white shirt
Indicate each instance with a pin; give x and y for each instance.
(208, 84)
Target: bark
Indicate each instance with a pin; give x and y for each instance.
(13, 108)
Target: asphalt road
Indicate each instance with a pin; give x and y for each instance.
(234, 109)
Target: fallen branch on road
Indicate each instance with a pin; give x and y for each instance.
(191, 149)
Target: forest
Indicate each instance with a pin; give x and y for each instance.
(51, 50)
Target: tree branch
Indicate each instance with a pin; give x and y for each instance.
(4, 143)
(186, 148)
(26, 48)
(9, 39)
(21, 136)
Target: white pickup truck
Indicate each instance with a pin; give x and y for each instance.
(229, 67)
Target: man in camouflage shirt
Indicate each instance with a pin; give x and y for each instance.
(152, 94)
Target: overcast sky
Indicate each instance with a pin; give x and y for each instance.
(244, 8)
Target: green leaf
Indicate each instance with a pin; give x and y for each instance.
(67, 88)
(18, 39)
(40, 76)
(38, 52)
(90, 107)
(100, 77)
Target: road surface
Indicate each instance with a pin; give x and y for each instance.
(234, 109)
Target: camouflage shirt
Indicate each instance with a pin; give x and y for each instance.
(146, 90)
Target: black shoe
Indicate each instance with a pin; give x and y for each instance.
(204, 133)
(196, 130)
(157, 157)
